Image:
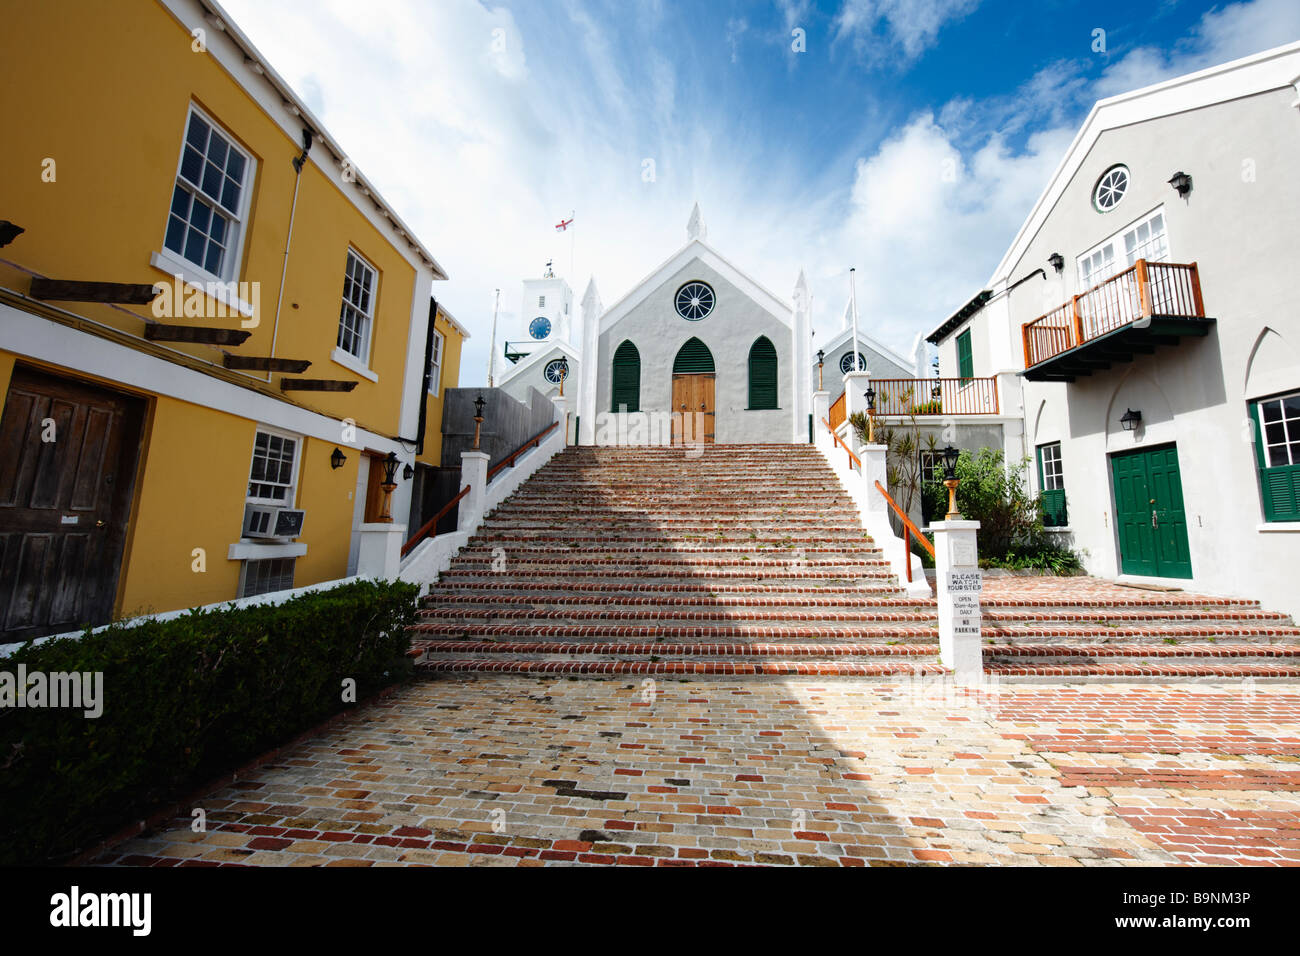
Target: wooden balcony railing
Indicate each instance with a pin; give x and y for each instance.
(836, 414)
(896, 397)
(1143, 290)
(910, 530)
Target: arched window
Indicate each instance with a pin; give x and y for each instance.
(694, 358)
(762, 374)
(627, 378)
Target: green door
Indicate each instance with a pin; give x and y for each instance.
(1149, 513)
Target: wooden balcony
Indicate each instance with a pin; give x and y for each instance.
(1146, 305)
(901, 397)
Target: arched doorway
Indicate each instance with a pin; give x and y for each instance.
(693, 408)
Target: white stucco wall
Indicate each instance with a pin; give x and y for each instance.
(1243, 235)
(729, 331)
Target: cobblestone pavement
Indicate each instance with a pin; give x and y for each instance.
(475, 770)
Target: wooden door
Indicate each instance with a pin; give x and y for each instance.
(68, 454)
(1149, 513)
(693, 410)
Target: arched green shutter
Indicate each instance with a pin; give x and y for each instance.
(627, 378)
(762, 374)
(693, 358)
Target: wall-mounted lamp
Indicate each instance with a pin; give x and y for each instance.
(407, 472)
(1057, 262)
(9, 232)
(1130, 420)
(337, 458)
(1181, 182)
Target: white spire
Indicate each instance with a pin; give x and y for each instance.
(695, 228)
(591, 298)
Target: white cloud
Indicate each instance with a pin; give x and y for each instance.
(911, 25)
(1230, 33)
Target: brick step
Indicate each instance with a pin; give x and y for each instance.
(671, 574)
(594, 649)
(681, 559)
(1109, 671)
(491, 588)
(904, 632)
(697, 547)
(685, 668)
(667, 525)
(1065, 653)
(640, 541)
(813, 610)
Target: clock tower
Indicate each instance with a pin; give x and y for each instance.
(545, 315)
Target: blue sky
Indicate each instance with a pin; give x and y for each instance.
(909, 138)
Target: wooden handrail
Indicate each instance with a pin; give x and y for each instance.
(909, 530)
(432, 523)
(836, 412)
(509, 460)
(852, 457)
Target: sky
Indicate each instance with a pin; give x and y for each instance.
(906, 138)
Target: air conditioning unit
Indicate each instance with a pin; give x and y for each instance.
(268, 521)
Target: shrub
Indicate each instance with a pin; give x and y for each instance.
(1011, 533)
(184, 700)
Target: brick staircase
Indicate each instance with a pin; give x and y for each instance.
(750, 559)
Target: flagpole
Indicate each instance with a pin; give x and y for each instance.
(853, 298)
(492, 346)
(573, 242)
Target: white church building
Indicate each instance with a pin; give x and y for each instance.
(697, 351)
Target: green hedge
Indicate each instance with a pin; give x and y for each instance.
(185, 700)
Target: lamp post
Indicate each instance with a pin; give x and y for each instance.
(478, 418)
(821, 360)
(870, 395)
(564, 373)
(388, 486)
(951, 481)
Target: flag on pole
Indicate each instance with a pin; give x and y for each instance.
(564, 224)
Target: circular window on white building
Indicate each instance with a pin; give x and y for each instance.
(846, 363)
(557, 371)
(1110, 189)
(694, 301)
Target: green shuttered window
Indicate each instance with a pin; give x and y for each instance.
(1051, 479)
(762, 374)
(965, 364)
(627, 378)
(694, 358)
(1277, 453)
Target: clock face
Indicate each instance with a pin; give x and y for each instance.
(540, 327)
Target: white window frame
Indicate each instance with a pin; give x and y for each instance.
(175, 262)
(1290, 430)
(435, 362)
(344, 356)
(1115, 241)
(1053, 478)
(291, 499)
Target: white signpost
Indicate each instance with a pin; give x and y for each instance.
(959, 582)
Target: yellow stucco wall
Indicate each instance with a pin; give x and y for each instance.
(108, 104)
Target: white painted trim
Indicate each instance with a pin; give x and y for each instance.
(450, 320)
(696, 249)
(352, 363)
(79, 352)
(1292, 527)
(293, 479)
(192, 275)
(250, 551)
(235, 253)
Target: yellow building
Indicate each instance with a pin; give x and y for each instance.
(213, 330)
(428, 493)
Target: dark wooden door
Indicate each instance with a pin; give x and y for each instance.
(68, 454)
(693, 407)
(1149, 513)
